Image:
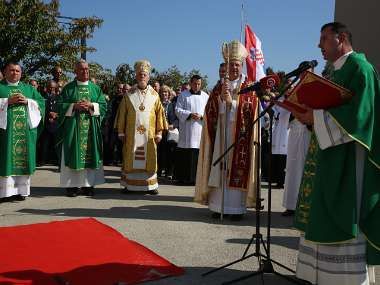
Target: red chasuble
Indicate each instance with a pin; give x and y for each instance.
(242, 153)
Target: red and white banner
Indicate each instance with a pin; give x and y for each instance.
(255, 59)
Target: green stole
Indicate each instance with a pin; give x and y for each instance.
(18, 141)
(80, 135)
(327, 207)
(85, 146)
(19, 117)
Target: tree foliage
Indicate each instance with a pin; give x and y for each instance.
(31, 33)
(125, 74)
(174, 78)
(103, 76)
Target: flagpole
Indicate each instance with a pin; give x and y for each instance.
(242, 22)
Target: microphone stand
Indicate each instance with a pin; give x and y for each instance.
(264, 259)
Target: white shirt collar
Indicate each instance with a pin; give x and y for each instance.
(13, 84)
(340, 61)
(235, 82)
(82, 82)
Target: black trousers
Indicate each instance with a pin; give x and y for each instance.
(186, 165)
(47, 153)
(278, 169)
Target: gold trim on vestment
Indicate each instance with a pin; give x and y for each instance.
(324, 243)
(126, 124)
(355, 139)
(141, 182)
(371, 243)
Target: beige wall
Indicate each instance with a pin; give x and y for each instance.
(363, 20)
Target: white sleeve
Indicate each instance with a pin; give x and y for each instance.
(3, 113)
(69, 111)
(180, 110)
(96, 111)
(232, 110)
(34, 114)
(327, 130)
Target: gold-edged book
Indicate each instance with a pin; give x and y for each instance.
(315, 92)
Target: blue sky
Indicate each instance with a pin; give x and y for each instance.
(189, 34)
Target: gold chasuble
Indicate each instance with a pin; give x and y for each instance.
(140, 117)
(241, 164)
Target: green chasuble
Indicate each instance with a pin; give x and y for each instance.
(327, 207)
(18, 141)
(80, 134)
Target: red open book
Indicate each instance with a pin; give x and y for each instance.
(315, 92)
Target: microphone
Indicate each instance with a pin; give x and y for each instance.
(301, 68)
(267, 82)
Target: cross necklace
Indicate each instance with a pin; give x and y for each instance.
(142, 92)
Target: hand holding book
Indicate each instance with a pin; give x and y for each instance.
(315, 92)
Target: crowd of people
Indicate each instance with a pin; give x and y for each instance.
(331, 174)
(102, 127)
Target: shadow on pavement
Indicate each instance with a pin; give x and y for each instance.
(193, 275)
(285, 241)
(154, 212)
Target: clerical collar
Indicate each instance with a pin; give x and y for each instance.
(342, 60)
(195, 93)
(13, 83)
(82, 82)
(237, 82)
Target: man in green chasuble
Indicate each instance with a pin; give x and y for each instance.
(81, 108)
(21, 111)
(338, 211)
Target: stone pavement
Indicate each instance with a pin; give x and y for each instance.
(169, 224)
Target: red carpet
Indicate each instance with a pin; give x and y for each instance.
(76, 252)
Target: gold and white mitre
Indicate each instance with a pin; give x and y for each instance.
(142, 65)
(234, 51)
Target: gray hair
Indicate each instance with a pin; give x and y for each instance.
(80, 61)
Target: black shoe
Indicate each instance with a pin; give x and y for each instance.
(88, 191)
(72, 192)
(153, 192)
(237, 217)
(19, 198)
(5, 199)
(215, 215)
(288, 213)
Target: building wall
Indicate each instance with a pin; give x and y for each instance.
(363, 20)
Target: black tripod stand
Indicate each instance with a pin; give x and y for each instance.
(264, 259)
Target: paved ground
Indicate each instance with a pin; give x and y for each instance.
(169, 224)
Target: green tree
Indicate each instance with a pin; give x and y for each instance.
(125, 74)
(103, 76)
(31, 34)
(171, 77)
(174, 78)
